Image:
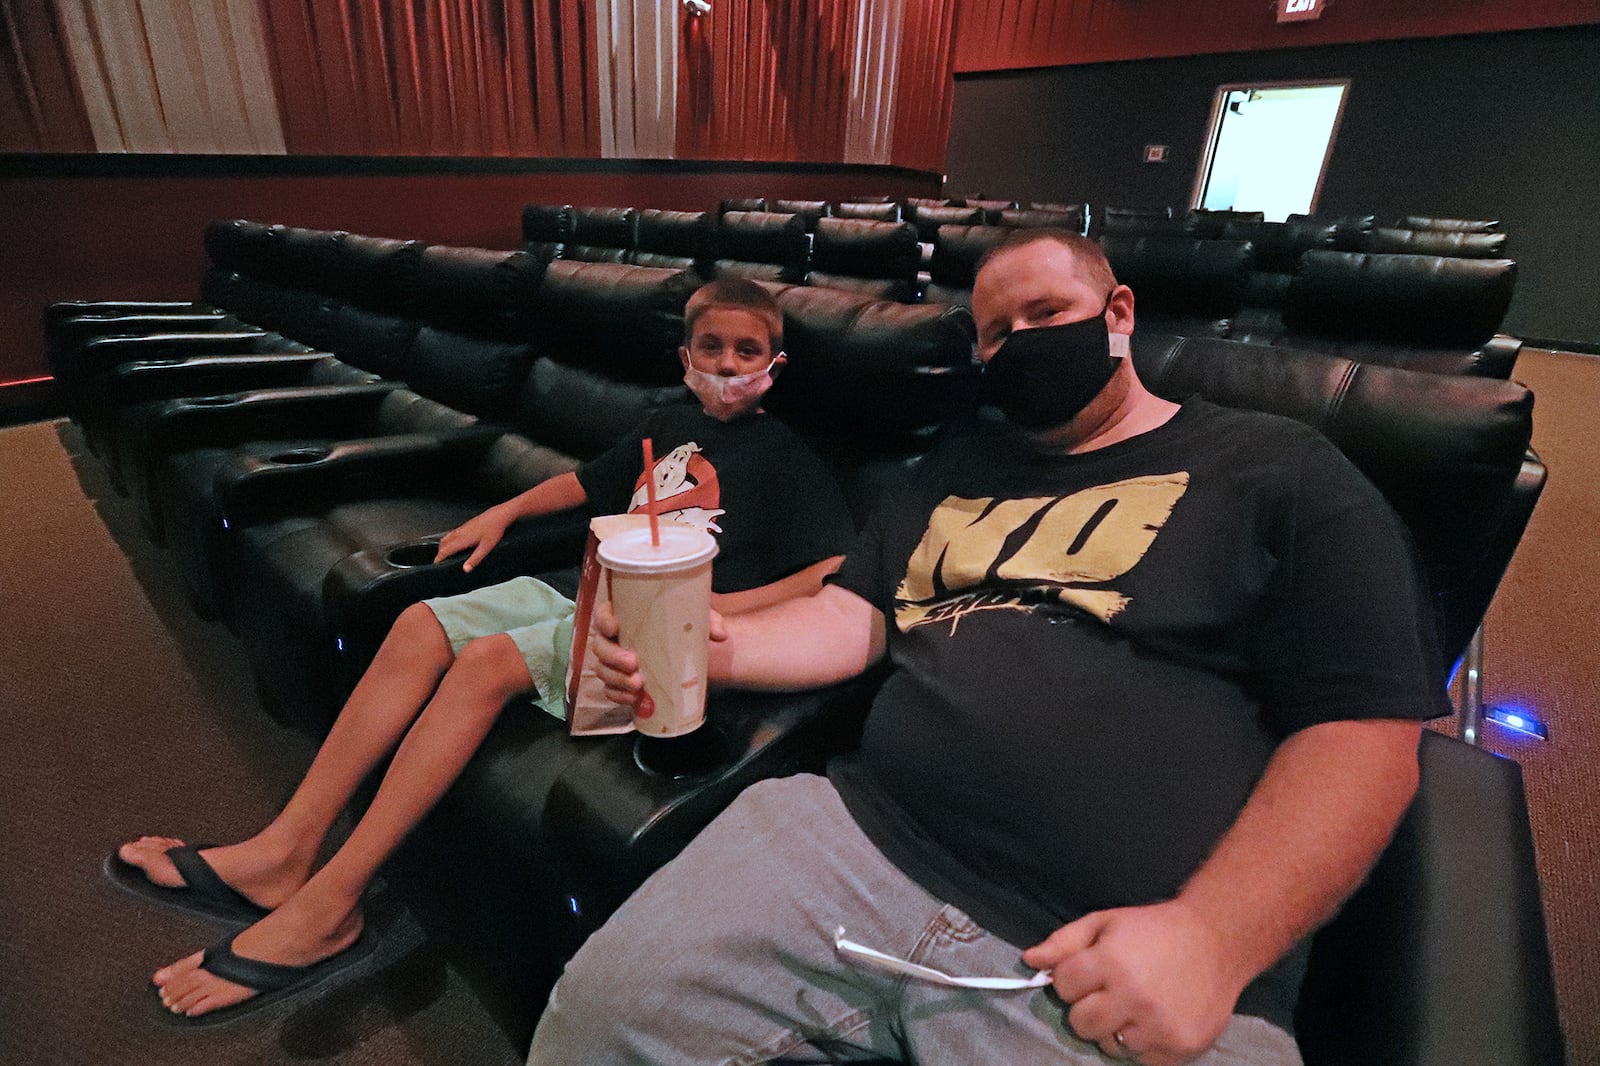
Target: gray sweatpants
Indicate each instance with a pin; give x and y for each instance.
(726, 956)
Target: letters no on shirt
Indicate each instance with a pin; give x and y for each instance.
(1059, 543)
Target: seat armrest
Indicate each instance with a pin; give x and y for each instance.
(179, 424)
(101, 354)
(253, 489)
(613, 823)
(160, 379)
(364, 593)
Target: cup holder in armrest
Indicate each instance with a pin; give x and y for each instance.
(419, 553)
(691, 755)
(299, 456)
(209, 401)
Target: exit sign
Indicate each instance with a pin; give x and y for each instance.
(1300, 10)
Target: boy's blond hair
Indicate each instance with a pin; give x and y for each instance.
(740, 293)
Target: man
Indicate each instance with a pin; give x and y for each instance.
(1159, 670)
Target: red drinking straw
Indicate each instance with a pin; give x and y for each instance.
(650, 493)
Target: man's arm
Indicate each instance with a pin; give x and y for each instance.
(1167, 976)
(482, 532)
(800, 583)
(801, 643)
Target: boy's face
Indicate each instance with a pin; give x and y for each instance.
(730, 342)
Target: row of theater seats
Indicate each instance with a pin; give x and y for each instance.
(301, 435)
(1295, 283)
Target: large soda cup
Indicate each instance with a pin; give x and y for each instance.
(662, 598)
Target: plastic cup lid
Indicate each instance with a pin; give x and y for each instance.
(631, 552)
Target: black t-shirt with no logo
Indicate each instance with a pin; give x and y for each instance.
(1097, 654)
(752, 483)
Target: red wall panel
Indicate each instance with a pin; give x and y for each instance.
(139, 237)
(1012, 34)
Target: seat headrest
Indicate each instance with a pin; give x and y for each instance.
(476, 290)
(380, 272)
(1201, 222)
(246, 247)
(865, 249)
(677, 233)
(1450, 225)
(1071, 220)
(868, 210)
(929, 217)
(742, 203)
(624, 321)
(607, 227)
(1454, 244)
(547, 223)
(1279, 244)
(1445, 451)
(872, 367)
(472, 374)
(1182, 275)
(809, 210)
(1425, 300)
(956, 251)
(583, 413)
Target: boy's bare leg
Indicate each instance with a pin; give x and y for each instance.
(269, 866)
(324, 916)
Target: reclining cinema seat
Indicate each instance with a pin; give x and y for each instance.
(954, 262)
(546, 229)
(602, 234)
(464, 377)
(1208, 225)
(1278, 247)
(761, 245)
(1135, 222)
(673, 240)
(391, 501)
(1417, 311)
(1182, 285)
(877, 259)
(1441, 959)
(867, 384)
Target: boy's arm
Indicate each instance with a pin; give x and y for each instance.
(800, 583)
(481, 533)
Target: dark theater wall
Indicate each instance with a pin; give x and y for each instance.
(130, 227)
(1502, 125)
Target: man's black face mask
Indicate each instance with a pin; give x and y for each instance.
(1044, 376)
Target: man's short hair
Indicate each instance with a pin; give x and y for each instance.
(740, 293)
(1087, 255)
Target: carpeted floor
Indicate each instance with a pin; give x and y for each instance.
(123, 713)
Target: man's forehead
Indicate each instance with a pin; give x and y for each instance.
(1016, 275)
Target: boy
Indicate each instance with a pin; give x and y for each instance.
(449, 665)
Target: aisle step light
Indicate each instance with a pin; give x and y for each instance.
(1518, 721)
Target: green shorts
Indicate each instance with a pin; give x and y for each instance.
(536, 617)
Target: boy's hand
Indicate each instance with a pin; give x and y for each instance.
(480, 534)
(616, 666)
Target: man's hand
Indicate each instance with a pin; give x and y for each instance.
(480, 534)
(616, 666)
(1157, 975)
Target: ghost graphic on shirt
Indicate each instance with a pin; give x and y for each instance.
(686, 489)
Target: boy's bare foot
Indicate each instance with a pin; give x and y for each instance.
(262, 875)
(296, 934)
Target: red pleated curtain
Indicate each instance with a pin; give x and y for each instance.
(771, 80)
(435, 77)
(41, 109)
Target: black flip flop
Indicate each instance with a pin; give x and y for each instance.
(203, 891)
(272, 982)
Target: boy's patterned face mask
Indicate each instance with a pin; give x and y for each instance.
(725, 398)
